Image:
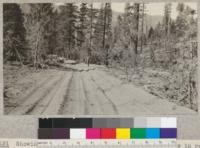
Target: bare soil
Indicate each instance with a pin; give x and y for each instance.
(78, 90)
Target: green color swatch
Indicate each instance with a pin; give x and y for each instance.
(138, 133)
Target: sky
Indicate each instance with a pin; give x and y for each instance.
(153, 8)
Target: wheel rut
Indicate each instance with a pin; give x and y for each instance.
(103, 91)
(43, 97)
(63, 105)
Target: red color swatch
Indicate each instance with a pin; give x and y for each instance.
(108, 133)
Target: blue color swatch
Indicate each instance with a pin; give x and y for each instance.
(153, 133)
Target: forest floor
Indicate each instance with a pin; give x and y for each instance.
(156, 81)
(79, 90)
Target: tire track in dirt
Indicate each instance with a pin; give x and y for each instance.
(135, 99)
(59, 95)
(31, 102)
(103, 91)
(61, 110)
(43, 96)
(92, 106)
(74, 102)
(50, 104)
(86, 111)
(86, 104)
(31, 91)
(97, 101)
(108, 82)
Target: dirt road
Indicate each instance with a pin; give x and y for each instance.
(90, 91)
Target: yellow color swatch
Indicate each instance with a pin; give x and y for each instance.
(123, 133)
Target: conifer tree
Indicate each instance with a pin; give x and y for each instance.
(83, 24)
(38, 20)
(70, 25)
(15, 45)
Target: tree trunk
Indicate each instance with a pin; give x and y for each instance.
(91, 21)
(104, 31)
(137, 28)
(69, 45)
(36, 48)
(142, 28)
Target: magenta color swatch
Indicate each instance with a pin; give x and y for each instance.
(93, 133)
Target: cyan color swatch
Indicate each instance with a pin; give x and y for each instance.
(153, 133)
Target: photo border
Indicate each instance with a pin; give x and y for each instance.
(26, 118)
(181, 118)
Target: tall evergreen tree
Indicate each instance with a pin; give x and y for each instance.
(137, 17)
(98, 35)
(52, 32)
(167, 18)
(131, 18)
(38, 20)
(82, 32)
(181, 20)
(70, 16)
(103, 32)
(142, 35)
(166, 25)
(83, 24)
(108, 31)
(15, 45)
(92, 17)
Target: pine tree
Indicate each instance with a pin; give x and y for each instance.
(15, 45)
(82, 30)
(108, 31)
(181, 20)
(70, 25)
(38, 20)
(151, 37)
(98, 32)
(167, 43)
(82, 23)
(60, 32)
(132, 16)
(167, 18)
(137, 17)
(103, 32)
(92, 16)
(142, 19)
(128, 35)
(98, 36)
(118, 52)
(52, 33)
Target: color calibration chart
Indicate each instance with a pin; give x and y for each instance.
(108, 131)
(107, 128)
